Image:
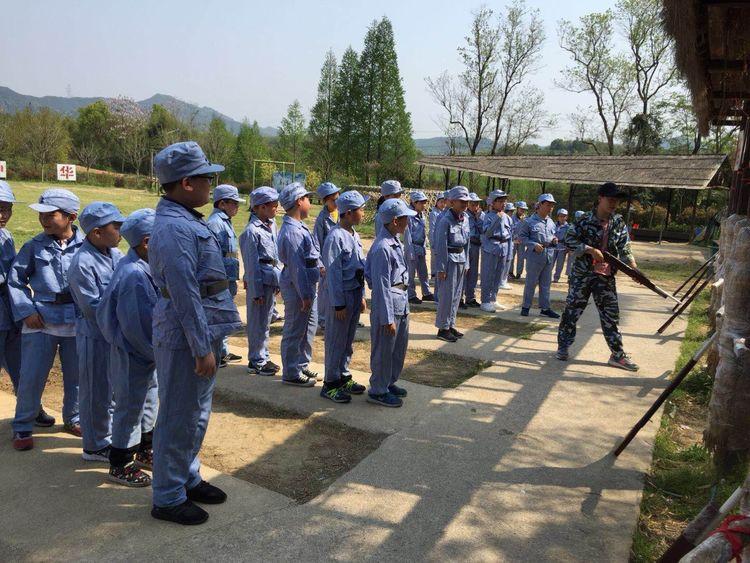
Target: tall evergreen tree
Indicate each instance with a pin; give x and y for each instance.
(248, 147)
(292, 133)
(346, 112)
(385, 122)
(321, 128)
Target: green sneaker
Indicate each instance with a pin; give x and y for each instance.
(352, 387)
(335, 394)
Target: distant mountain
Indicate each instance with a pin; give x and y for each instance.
(439, 145)
(12, 102)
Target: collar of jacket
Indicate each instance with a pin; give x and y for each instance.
(180, 206)
(49, 241)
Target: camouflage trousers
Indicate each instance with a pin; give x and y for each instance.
(604, 290)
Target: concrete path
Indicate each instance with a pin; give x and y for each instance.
(511, 465)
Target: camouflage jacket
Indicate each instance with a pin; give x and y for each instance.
(586, 231)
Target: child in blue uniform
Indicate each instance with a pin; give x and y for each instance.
(387, 275)
(390, 189)
(520, 251)
(226, 205)
(326, 220)
(299, 283)
(417, 251)
(432, 220)
(507, 272)
(49, 314)
(452, 259)
(561, 252)
(125, 317)
(344, 262)
(496, 242)
(89, 274)
(476, 219)
(262, 272)
(194, 313)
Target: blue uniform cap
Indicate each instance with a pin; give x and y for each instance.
(474, 197)
(416, 196)
(458, 192)
(509, 206)
(350, 200)
(391, 209)
(291, 193)
(545, 197)
(263, 194)
(227, 191)
(441, 195)
(325, 189)
(579, 214)
(183, 160)
(57, 198)
(6, 194)
(390, 187)
(98, 214)
(562, 211)
(137, 226)
(495, 194)
(521, 205)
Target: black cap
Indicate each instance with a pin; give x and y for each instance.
(610, 189)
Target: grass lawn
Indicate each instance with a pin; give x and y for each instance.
(682, 475)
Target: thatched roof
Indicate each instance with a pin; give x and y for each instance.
(686, 172)
(712, 39)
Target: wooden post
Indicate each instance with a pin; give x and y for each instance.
(627, 211)
(419, 177)
(543, 185)
(458, 177)
(666, 217)
(692, 216)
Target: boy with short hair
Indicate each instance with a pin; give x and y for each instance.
(416, 255)
(520, 252)
(48, 314)
(496, 240)
(387, 275)
(476, 219)
(89, 275)
(561, 252)
(298, 283)
(432, 220)
(344, 262)
(507, 272)
(260, 257)
(326, 220)
(226, 205)
(125, 316)
(390, 189)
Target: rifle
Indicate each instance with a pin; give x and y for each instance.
(637, 276)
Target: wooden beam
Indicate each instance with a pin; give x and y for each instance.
(723, 65)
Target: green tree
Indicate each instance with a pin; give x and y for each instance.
(321, 128)
(40, 136)
(644, 134)
(217, 141)
(292, 133)
(248, 146)
(346, 113)
(162, 128)
(385, 124)
(88, 133)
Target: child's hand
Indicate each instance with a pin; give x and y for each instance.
(390, 329)
(259, 300)
(340, 314)
(34, 321)
(442, 276)
(364, 305)
(306, 305)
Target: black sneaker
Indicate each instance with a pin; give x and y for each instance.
(43, 419)
(398, 391)
(562, 354)
(524, 312)
(264, 370)
(473, 303)
(204, 492)
(223, 363)
(455, 332)
(301, 381)
(351, 386)
(428, 297)
(462, 305)
(229, 358)
(447, 335)
(335, 394)
(98, 455)
(187, 513)
(129, 475)
(549, 313)
(415, 300)
(271, 366)
(311, 374)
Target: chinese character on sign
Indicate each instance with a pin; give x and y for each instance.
(3, 169)
(66, 172)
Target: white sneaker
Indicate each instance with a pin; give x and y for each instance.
(506, 286)
(488, 307)
(500, 307)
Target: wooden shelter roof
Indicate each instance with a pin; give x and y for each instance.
(679, 172)
(712, 50)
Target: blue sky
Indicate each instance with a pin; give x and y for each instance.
(246, 59)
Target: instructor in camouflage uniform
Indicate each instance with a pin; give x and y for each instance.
(598, 230)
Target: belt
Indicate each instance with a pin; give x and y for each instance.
(401, 286)
(476, 243)
(230, 255)
(455, 249)
(499, 238)
(63, 298)
(267, 261)
(311, 262)
(207, 290)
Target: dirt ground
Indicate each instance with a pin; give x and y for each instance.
(291, 454)
(486, 322)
